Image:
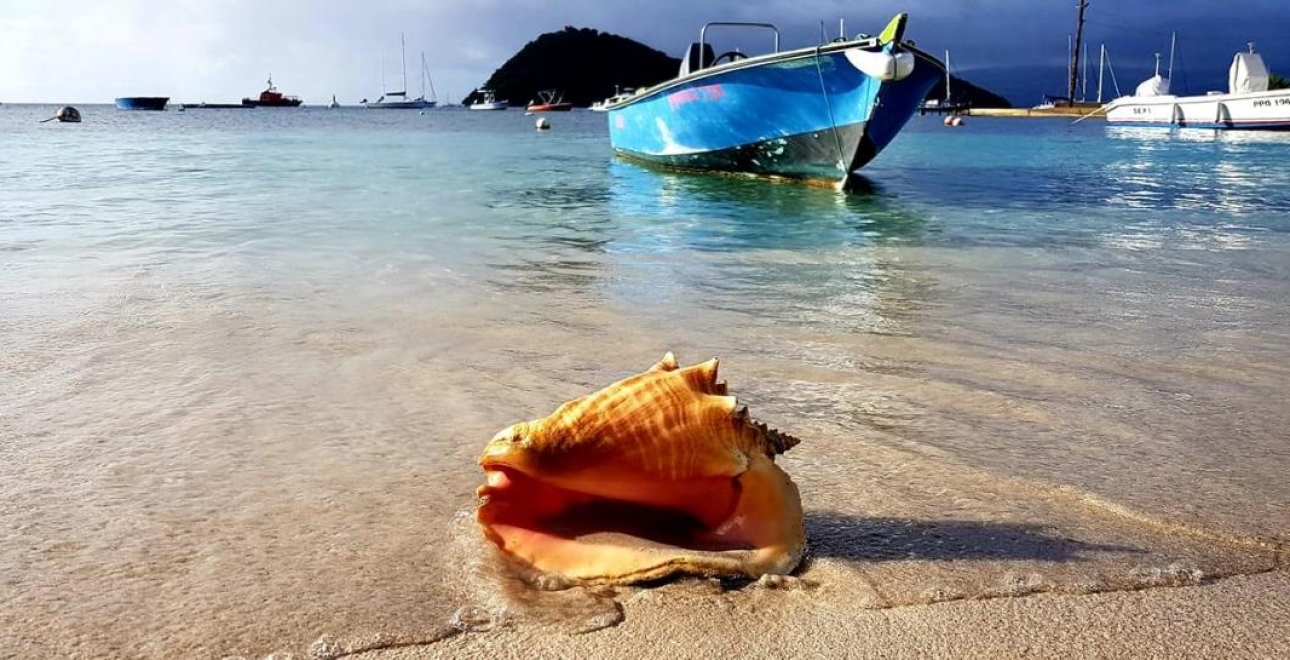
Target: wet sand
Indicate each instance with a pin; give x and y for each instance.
(1242, 617)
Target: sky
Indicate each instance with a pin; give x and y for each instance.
(64, 51)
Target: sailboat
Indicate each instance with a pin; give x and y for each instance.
(399, 100)
(334, 103)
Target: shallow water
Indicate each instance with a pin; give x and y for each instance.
(248, 359)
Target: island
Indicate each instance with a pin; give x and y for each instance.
(585, 65)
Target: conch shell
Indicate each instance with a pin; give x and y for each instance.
(653, 476)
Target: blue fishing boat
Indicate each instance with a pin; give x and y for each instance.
(142, 102)
(815, 114)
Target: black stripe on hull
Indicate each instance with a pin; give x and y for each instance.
(810, 156)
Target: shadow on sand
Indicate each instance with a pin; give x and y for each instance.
(852, 538)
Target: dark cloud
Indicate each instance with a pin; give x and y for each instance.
(212, 49)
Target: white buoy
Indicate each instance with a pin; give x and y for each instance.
(543, 124)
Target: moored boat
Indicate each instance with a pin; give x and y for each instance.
(142, 102)
(815, 114)
(619, 96)
(399, 100)
(272, 98)
(488, 101)
(549, 100)
(1247, 104)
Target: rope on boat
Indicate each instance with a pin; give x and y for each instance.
(837, 140)
(1101, 109)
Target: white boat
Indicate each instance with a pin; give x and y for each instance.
(334, 103)
(399, 100)
(488, 101)
(619, 96)
(1247, 104)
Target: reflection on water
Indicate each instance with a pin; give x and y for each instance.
(763, 253)
(1165, 135)
(682, 211)
(1235, 172)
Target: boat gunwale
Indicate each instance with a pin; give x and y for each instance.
(759, 60)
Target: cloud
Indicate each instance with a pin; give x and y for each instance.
(221, 50)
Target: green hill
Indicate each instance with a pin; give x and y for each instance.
(583, 64)
(965, 93)
(587, 65)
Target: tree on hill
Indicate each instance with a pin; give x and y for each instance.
(1277, 82)
(583, 64)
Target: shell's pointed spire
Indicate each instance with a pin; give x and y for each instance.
(667, 363)
(703, 376)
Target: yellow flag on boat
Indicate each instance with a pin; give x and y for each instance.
(895, 30)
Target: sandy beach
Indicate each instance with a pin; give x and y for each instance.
(1240, 617)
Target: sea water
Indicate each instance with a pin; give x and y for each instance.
(248, 359)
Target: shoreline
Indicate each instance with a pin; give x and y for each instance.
(1246, 616)
(1036, 112)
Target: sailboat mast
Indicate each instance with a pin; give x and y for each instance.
(1101, 69)
(425, 78)
(1083, 92)
(947, 76)
(1079, 38)
(403, 56)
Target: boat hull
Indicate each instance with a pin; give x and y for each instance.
(1249, 111)
(550, 107)
(285, 103)
(809, 114)
(400, 105)
(142, 102)
(490, 105)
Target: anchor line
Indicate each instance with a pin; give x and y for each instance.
(837, 140)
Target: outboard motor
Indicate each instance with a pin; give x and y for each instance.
(696, 58)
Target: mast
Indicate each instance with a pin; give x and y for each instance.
(1079, 38)
(1101, 67)
(947, 76)
(403, 56)
(1083, 91)
(425, 78)
(1173, 43)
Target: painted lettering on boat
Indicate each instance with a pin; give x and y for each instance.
(1263, 103)
(695, 94)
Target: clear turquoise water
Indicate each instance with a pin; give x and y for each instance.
(247, 358)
